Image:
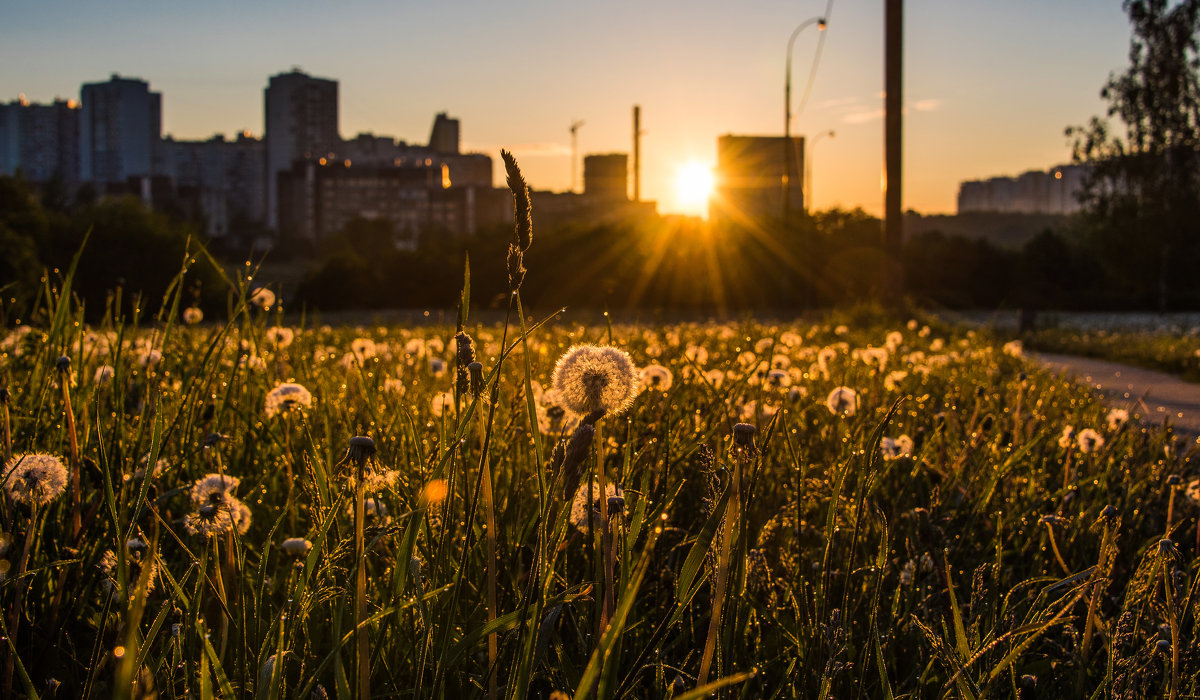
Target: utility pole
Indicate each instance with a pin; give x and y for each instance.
(575, 154)
(637, 153)
(893, 230)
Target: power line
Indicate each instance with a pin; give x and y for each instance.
(812, 74)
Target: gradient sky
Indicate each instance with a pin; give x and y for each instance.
(989, 84)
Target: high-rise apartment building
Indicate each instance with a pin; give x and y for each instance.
(120, 127)
(444, 137)
(301, 119)
(1055, 191)
(41, 141)
(750, 186)
(606, 176)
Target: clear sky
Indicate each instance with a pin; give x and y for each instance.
(989, 84)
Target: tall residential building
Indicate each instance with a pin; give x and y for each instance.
(220, 180)
(301, 119)
(41, 141)
(120, 126)
(1055, 191)
(444, 138)
(606, 176)
(749, 180)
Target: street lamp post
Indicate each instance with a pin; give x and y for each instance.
(808, 159)
(789, 157)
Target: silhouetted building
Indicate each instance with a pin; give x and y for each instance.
(301, 119)
(444, 138)
(120, 127)
(749, 185)
(222, 181)
(317, 199)
(1055, 191)
(606, 176)
(41, 141)
(468, 169)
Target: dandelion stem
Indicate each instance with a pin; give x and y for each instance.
(73, 443)
(14, 614)
(605, 543)
(1173, 620)
(7, 425)
(489, 514)
(363, 659)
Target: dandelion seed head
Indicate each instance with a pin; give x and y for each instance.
(1116, 418)
(656, 378)
(591, 378)
(1089, 440)
(35, 479)
(213, 489)
(582, 514)
(262, 298)
(192, 315)
(296, 546)
(286, 397)
(280, 337)
(842, 401)
(104, 375)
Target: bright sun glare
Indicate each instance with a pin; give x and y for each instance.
(693, 185)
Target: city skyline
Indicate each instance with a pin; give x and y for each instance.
(988, 90)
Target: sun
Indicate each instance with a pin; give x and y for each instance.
(693, 185)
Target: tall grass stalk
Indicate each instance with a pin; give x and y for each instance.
(743, 453)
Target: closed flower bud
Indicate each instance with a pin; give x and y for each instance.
(63, 364)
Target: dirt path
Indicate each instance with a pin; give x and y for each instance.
(1163, 395)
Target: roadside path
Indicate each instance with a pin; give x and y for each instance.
(1164, 395)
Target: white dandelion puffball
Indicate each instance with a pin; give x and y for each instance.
(35, 479)
(262, 298)
(1089, 440)
(581, 514)
(285, 397)
(192, 315)
(591, 378)
(842, 401)
(656, 378)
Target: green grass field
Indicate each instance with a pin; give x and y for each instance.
(983, 555)
(851, 508)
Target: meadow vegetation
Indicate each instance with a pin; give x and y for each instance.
(254, 508)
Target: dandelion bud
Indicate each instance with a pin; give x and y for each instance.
(1109, 513)
(4, 396)
(1174, 480)
(1167, 547)
(516, 267)
(476, 371)
(574, 454)
(63, 364)
(361, 449)
(1162, 646)
(743, 436)
(1028, 681)
(616, 504)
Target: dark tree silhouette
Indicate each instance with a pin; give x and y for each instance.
(1142, 198)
